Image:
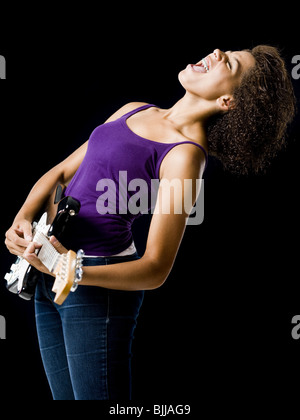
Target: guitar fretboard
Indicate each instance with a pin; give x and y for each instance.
(47, 254)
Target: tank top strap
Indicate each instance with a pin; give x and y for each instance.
(169, 146)
(134, 111)
(203, 150)
(166, 147)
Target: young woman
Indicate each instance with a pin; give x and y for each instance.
(237, 107)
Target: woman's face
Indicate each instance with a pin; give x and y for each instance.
(216, 75)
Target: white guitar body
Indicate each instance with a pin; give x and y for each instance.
(18, 270)
(67, 268)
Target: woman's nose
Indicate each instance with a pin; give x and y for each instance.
(218, 54)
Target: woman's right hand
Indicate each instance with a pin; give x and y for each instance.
(18, 237)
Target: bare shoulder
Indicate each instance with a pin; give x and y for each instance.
(183, 161)
(124, 109)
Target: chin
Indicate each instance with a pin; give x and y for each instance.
(181, 77)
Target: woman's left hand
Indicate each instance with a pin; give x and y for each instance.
(34, 260)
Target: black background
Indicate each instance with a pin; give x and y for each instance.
(219, 331)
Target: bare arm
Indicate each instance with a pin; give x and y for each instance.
(61, 173)
(165, 234)
(19, 235)
(45, 186)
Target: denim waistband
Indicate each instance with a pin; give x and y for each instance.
(92, 261)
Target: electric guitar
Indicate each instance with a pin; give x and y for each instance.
(23, 277)
(66, 267)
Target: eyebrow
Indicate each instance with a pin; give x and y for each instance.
(235, 59)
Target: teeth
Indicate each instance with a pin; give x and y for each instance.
(204, 62)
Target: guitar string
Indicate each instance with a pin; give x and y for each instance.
(47, 254)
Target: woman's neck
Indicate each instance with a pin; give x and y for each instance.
(189, 116)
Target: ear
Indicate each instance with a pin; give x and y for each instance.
(225, 103)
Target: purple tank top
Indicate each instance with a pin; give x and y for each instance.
(117, 166)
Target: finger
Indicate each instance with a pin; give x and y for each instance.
(33, 246)
(25, 235)
(57, 245)
(19, 250)
(25, 229)
(33, 259)
(27, 232)
(35, 262)
(29, 250)
(12, 236)
(13, 248)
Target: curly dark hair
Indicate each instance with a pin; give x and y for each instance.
(247, 137)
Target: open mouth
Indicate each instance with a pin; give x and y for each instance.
(205, 64)
(202, 66)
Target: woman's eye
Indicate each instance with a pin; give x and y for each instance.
(229, 65)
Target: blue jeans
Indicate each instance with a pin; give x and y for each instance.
(86, 342)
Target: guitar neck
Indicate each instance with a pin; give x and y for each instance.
(47, 254)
